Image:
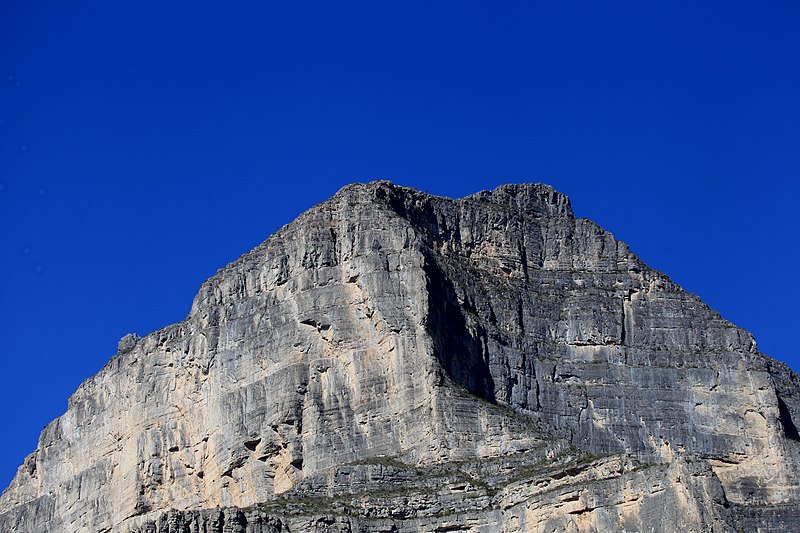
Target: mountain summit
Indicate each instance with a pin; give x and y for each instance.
(396, 361)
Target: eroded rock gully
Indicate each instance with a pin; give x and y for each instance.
(395, 361)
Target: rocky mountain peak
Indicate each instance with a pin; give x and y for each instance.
(397, 361)
(533, 199)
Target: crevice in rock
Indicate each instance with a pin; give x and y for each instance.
(582, 511)
(237, 463)
(523, 256)
(459, 350)
(221, 522)
(314, 324)
(785, 417)
(334, 243)
(252, 444)
(452, 528)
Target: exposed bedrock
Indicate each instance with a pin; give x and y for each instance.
(387, 335)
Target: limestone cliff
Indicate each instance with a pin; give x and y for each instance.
(395, 361)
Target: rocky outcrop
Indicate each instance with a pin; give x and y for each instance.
(394, 361)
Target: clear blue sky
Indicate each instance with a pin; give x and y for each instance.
(145, 144)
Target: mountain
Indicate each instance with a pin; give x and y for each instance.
(395, 361)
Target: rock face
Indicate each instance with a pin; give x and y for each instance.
(394, 361)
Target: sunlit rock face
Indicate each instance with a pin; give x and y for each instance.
(395, 361)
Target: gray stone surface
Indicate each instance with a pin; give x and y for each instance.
(394, 361)
(127, 342)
